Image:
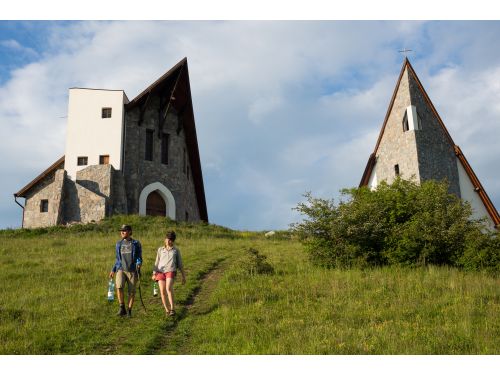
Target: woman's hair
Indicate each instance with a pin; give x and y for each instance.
(171, 235)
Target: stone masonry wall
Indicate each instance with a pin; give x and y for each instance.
(51, 188)
(139, 172)
(88, 199)
(436, 156)
(398, 146)
(98, 179)
(82, 205)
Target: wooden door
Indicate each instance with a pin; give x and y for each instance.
(155, 205)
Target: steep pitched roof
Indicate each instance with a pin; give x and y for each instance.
(472, 176)
(25, 190)
(176, 83)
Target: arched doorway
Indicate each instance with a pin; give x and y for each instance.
(165, 194)
(155, 205)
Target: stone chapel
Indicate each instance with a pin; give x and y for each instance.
(123, 157)
(414, 143)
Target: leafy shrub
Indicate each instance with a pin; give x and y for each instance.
(399, 223)
(482, 252)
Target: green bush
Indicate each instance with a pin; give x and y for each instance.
(400, 223)
(482, 252)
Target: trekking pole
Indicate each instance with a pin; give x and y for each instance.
(140, 292)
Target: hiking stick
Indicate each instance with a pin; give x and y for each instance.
(140, 292)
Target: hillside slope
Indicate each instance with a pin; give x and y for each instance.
(245, 294)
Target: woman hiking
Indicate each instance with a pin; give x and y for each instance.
(168, 261)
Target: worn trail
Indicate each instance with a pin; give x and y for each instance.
(208, 281)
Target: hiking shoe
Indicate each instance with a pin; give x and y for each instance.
(171, 313)
(129, 313)
(122, 312)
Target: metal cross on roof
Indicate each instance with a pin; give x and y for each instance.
(405, 51)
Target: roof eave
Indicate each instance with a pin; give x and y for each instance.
(22, 193)
(156, 83)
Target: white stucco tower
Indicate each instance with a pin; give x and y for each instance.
(95, 129)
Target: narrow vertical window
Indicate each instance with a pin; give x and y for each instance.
(187, 216)
(149, 145)
(44, 205)
(106, 112)
(405, 122)
(164, 148)
(419, 122)
(396, 169)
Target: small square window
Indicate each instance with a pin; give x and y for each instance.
(44, 205)
(103, 159)
(82, 160)
(106, 113)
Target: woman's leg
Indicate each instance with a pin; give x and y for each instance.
(163, 294)
(170, 292)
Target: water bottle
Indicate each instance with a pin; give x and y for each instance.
(111, 290)
(155, 288)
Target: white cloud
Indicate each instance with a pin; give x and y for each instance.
(263, 106)
(17, 47)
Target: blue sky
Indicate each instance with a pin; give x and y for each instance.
(281, 107)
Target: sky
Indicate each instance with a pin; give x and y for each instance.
(281, 107)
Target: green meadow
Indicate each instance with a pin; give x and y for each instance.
(245, 294)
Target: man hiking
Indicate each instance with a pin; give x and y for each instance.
(128, 264)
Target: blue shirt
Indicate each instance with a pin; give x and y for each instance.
(136, 256)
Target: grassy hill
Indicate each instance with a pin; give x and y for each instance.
(268, 300)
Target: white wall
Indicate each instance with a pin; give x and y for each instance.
(88, 134)
(372, 182)
(468, 194)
